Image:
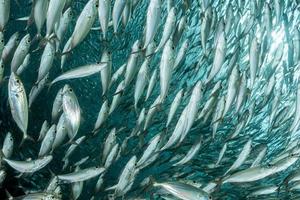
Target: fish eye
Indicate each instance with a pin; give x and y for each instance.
(210, 197)
(2, 40)
(2, 66)
(140, 47)
(18, 81)
(71, 90)
(109, 53)
(194, 181)
(173, 47)
(28, 41)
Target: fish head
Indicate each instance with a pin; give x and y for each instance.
(27, 40)
(69, 13)
(15, 83)
(137, 46)
(170, 44)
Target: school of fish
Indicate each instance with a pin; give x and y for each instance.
(149, 99)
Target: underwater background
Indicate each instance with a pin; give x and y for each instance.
(196, 66)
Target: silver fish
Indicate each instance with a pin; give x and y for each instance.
(104, 12)
(20, 53)
(81, 175)
(5, 12)
(71, 110)
(29, 166)
(18, 104)
(80, 72)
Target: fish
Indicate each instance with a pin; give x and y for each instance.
(20, 53)
(131, 66)
(254, 53)
(264, 191)
(47, 142)
(80, 72)
(71, 150)
(10, 47)
(29, 166)
(40, 9)
(219, 56)
(176, 102)
(84, 23)
(37, 89)
(190, 154)
(8, 145)
(1, 71)
(102, 116)
(117, 97)
(109, 144)
(104, 13)
(183, 191)
(77, 187)
(106, 72)
(153, 19)
(242, 157)
(169, 28)
(57, 105)
(44, 128)
(181, 54)
(46, 61)
(117, 74)
(196, 99)
(18, 104)
(141, 81)
(2, 43)
(39, 195)
(71, 110)
(5, 13)
(150, 150)
(117, 11)
(61, 132)
(151, 84)
(81, 175)
(112, 156)
(61, 26)
(126, 176)
(54, 13)
(24, 65)
(166, 68)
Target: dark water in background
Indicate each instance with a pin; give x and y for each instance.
(88, 91)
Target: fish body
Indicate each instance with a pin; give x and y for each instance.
(20, 53)
(29, 166)
(46, 61)
(54, 13)
(81, 175)
(152, 21)
(18, 103)
(84, 23)
(104, 13)
(71, 110)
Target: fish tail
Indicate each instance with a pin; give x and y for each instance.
(26, 137)
(153, 182)
(36, 38)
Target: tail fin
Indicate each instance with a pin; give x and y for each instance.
(26, 137)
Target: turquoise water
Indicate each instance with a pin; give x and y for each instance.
(195, 67)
